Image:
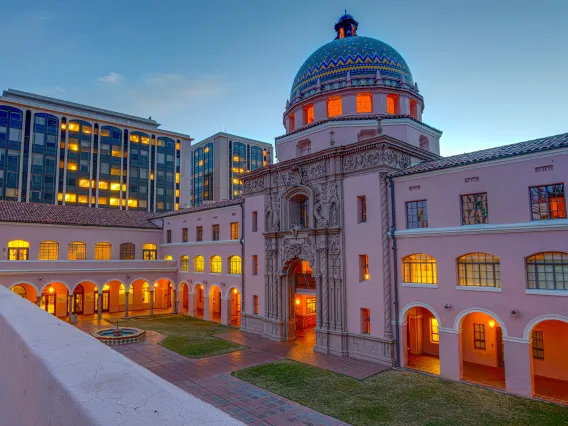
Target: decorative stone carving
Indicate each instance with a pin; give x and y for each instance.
(376, 157)
(292, 249)
(254, 185)
(314, 171)
(272, 212)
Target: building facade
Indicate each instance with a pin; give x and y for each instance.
(219, 162)
(59, 152)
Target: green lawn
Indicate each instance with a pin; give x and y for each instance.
(190, 337)
(399, 398)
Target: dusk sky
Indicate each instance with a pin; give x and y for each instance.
(491, 72)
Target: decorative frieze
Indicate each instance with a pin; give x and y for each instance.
(547, 168)
(471, 179)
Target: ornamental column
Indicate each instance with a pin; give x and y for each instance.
(519, 378)
(450, 353)
(69, 304)
(38, 302)
(176, 301)
(152, 293)
(100, 304)
(126, 294)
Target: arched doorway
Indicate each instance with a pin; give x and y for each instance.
(422, 340)
(235, 307)
(302, 301)
(26, 291)
(78, 300)
(198, 295)
(483, 360)
(215, 304)
(184, 298)
(549, 339)
(48, 299)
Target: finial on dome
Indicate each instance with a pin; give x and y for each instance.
(378, 78)
(297, 97)
(346, 26)
(318, 86)
(416, 87)
(402, 80)
(287, 104)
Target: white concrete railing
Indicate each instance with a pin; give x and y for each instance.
(53, 373)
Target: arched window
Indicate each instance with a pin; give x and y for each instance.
(168, 257)
(77, 250)
(127, 251)
(479, 270)
(149, 252)
(364, 102)
(20, 291)
(235, 265)
(308, 114)
(18, 250)
(291, 123)
(198, 264)
(299, 211)
(547, 271)
(334, 106)
(103, 251)
(419, 269)
(414, 109)
(303, 147)
(184, 263)
(122, 295)
(146, 293)
(392, 104)
(424, 143)
(48, 250)
(216, 264)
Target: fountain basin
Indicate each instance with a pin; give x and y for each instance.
(128, 335)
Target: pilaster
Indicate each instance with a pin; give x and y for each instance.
(519, 376)
(451, 366)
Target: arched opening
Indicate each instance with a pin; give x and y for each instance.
(48, 299)
(168, 257)
(18, 250)
(235, 265)
(215, 265)
(184, 263)
(215, 304)
(89, 293)
(48, 250)
(27, 291)
(299, 211)
(198, 296)
(198, 264)
(303, 147)
(334, 106)
(78, 300)
(364, 102)
(424, 143)
(235, 308)
(149, 252)
(77, 250)
(482, 355)
(549, 339)
(422, 340)
(302, 302)
(184, 298)
(127, 251)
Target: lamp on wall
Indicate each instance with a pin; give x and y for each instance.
(447, 306)
(127, 276)
(223, 284)
(39, 278)
(297, 301)
(515, 312)
(491, 323)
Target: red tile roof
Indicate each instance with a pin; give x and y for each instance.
(537, 145)
(203, 207)
(14, 211)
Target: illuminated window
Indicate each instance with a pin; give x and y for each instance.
(199, 233)
(216, 264)
(479, 336)
(548, 202)
(198, 264)
(73, 147)
(364, 102)
(392, 104)
(234, 230)
(102, 201)
(310, 305)
(177, 177)
(149, 252)
(291, 123)
(419, 269)
(538, 344)
(48, 250)
(235, 265)
(114, 201)
(116, 152)
(184, 263)
(83, 199)
(115, 186)
(121, 295)
(254, 264)
(414, 109)
(132, 203)
(342, 33)
(548, 271)
(71, 198)
(255, 304)
(308, 114)
(127, 251)
(184, 235)
(434, 331)
(365, 321)
(103, 184)
(168, 257)
(77, 251)
(84, 183)
(364, 267)
(134, 138)
(71, 166)
(73, 127)
(146, 293)
(20, 291)
(103, 251)
(334, 106)
(145, 140)
(18, 250)
(215, 230)
(479, 270)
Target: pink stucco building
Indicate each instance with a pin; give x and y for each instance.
(362, 240)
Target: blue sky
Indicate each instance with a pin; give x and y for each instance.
(491, 72)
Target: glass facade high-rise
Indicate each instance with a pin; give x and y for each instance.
(53, 151)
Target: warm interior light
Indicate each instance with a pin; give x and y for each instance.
(106, 287)
(297, 301)
(155, 284)
(367, 276)
(235, 291)
(51, 289)
(491, 323)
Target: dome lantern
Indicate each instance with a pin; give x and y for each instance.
(346, 26)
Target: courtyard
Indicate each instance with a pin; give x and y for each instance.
(262, 382)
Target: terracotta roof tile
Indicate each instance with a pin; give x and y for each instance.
(14, 211)
(521, 148)
(203, 207)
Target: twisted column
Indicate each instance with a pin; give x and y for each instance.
(386, 257)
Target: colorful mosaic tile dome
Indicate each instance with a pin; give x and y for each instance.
(357, 55)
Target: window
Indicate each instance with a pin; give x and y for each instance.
(548, 202)
(548, 271)
(215, 229)
(146, 292)
(310, 305)
(103, 251)
(234, 230)
(127, 251)
(216, 265)
(392, 104)
(168, 236)
(198, 264)
(254, 221)
(168, 257)
(434, 331)
(479, 336)
(474, 209)
(235, 265)
(303, 147)
(362, 208)
(414, 109)
(419, 269)
(254, 264)
(291, 123)
(308, 114)
(149, 252)
(364, 102)
(538, 344)
(48, 250)
(365, 321)
(364, 267)
(184, 263)
(184, 235)
(299, 211)
(20, 291)
(77, 251)
(334, 106)
(18, 250)
(424, 143)
(199, 233)
(416, 214)
(255, 304)
(122, 295)
(479, 270)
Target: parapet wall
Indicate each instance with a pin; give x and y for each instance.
(53, 373)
